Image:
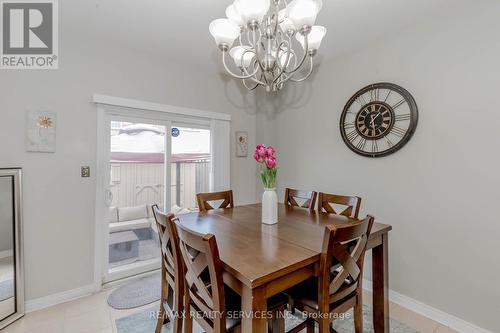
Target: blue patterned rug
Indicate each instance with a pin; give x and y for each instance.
(145, 322)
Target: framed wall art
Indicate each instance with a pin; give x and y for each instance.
(41, 132)
(241, 144)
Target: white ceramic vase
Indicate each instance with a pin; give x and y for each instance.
(270, 206)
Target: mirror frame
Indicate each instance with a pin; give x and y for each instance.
(16, 173)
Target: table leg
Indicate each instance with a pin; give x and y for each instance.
(254, 307)
(380, 272)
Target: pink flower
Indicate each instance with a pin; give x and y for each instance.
(258, 158)
(270, 151)
(271, 162)
(261, 152)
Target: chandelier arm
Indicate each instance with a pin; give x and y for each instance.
(250, 88)
(306, 46)
(278, 61)
(282, 69)
(257, 49)
(308, 74)
(254, 76)
(231, 73)
(286, 77)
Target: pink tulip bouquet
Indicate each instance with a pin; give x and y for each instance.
(266, 157)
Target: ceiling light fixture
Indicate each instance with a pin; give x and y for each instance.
(265, 51)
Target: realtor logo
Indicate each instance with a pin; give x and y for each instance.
(29, 34)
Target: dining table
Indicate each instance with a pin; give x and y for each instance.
(261, 260)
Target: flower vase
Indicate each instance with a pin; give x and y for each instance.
(270, 206)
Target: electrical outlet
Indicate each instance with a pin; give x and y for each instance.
(85, 171)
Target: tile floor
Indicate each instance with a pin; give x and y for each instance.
(93, 315)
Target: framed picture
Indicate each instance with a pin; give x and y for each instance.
(241, 144)
(41, 131)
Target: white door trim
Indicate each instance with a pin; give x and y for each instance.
(109, 107)
(143, 105)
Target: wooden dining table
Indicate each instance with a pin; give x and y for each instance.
(263, 260)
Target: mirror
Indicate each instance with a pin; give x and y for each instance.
(11, 279)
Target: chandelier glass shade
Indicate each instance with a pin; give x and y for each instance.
(269, 41)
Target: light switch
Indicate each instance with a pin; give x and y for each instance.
(85, 171)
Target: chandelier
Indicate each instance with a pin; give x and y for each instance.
(270, 41)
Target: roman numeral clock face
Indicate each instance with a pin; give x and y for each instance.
(379, 120)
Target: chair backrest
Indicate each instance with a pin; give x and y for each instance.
(291, 195)
(171, 257)
(204, 198)
(203, 278)
(352, 204)
(342, 259)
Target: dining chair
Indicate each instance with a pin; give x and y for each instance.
(207, 299)
(338, 286)
(291, 195)
(353, 204)
(172, 289)
(204, 198)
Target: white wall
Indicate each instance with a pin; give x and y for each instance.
(440, 191)
(58, 204)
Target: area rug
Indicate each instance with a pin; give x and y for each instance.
(145, 322)
(6, 289)
(137, 293)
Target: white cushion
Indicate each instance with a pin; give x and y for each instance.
(113, 214)
(129, 225)
(132, 213)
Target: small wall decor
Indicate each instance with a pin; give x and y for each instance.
(41, 131)
(379, 120)
(241, 144)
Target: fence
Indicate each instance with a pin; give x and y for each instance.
(134, 184)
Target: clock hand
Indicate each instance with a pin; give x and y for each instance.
(372, 121)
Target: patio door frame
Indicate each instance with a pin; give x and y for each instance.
(119, 109)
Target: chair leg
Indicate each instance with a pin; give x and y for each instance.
(324, 325)
(188, 320)
(162, 315)
(358, 314)
(178, 307)
(310, 326)
(277, 323)
(161, 318)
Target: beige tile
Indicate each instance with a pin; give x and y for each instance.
(47, 328)
(413, 320)
(368, 297)
(22, 327)
(108, 330)
(17, 327)
(86, 304)
(89, 322)
(47, 319)
(444, 329)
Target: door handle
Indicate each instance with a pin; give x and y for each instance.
(108, 197)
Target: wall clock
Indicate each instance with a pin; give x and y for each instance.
(379, 120)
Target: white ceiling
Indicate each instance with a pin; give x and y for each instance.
(179, 29)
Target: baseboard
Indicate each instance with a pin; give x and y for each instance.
(425, 310)
(65, 296)
(6, 254)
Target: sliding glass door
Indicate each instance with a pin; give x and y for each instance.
(190, 165)
(149, 162)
